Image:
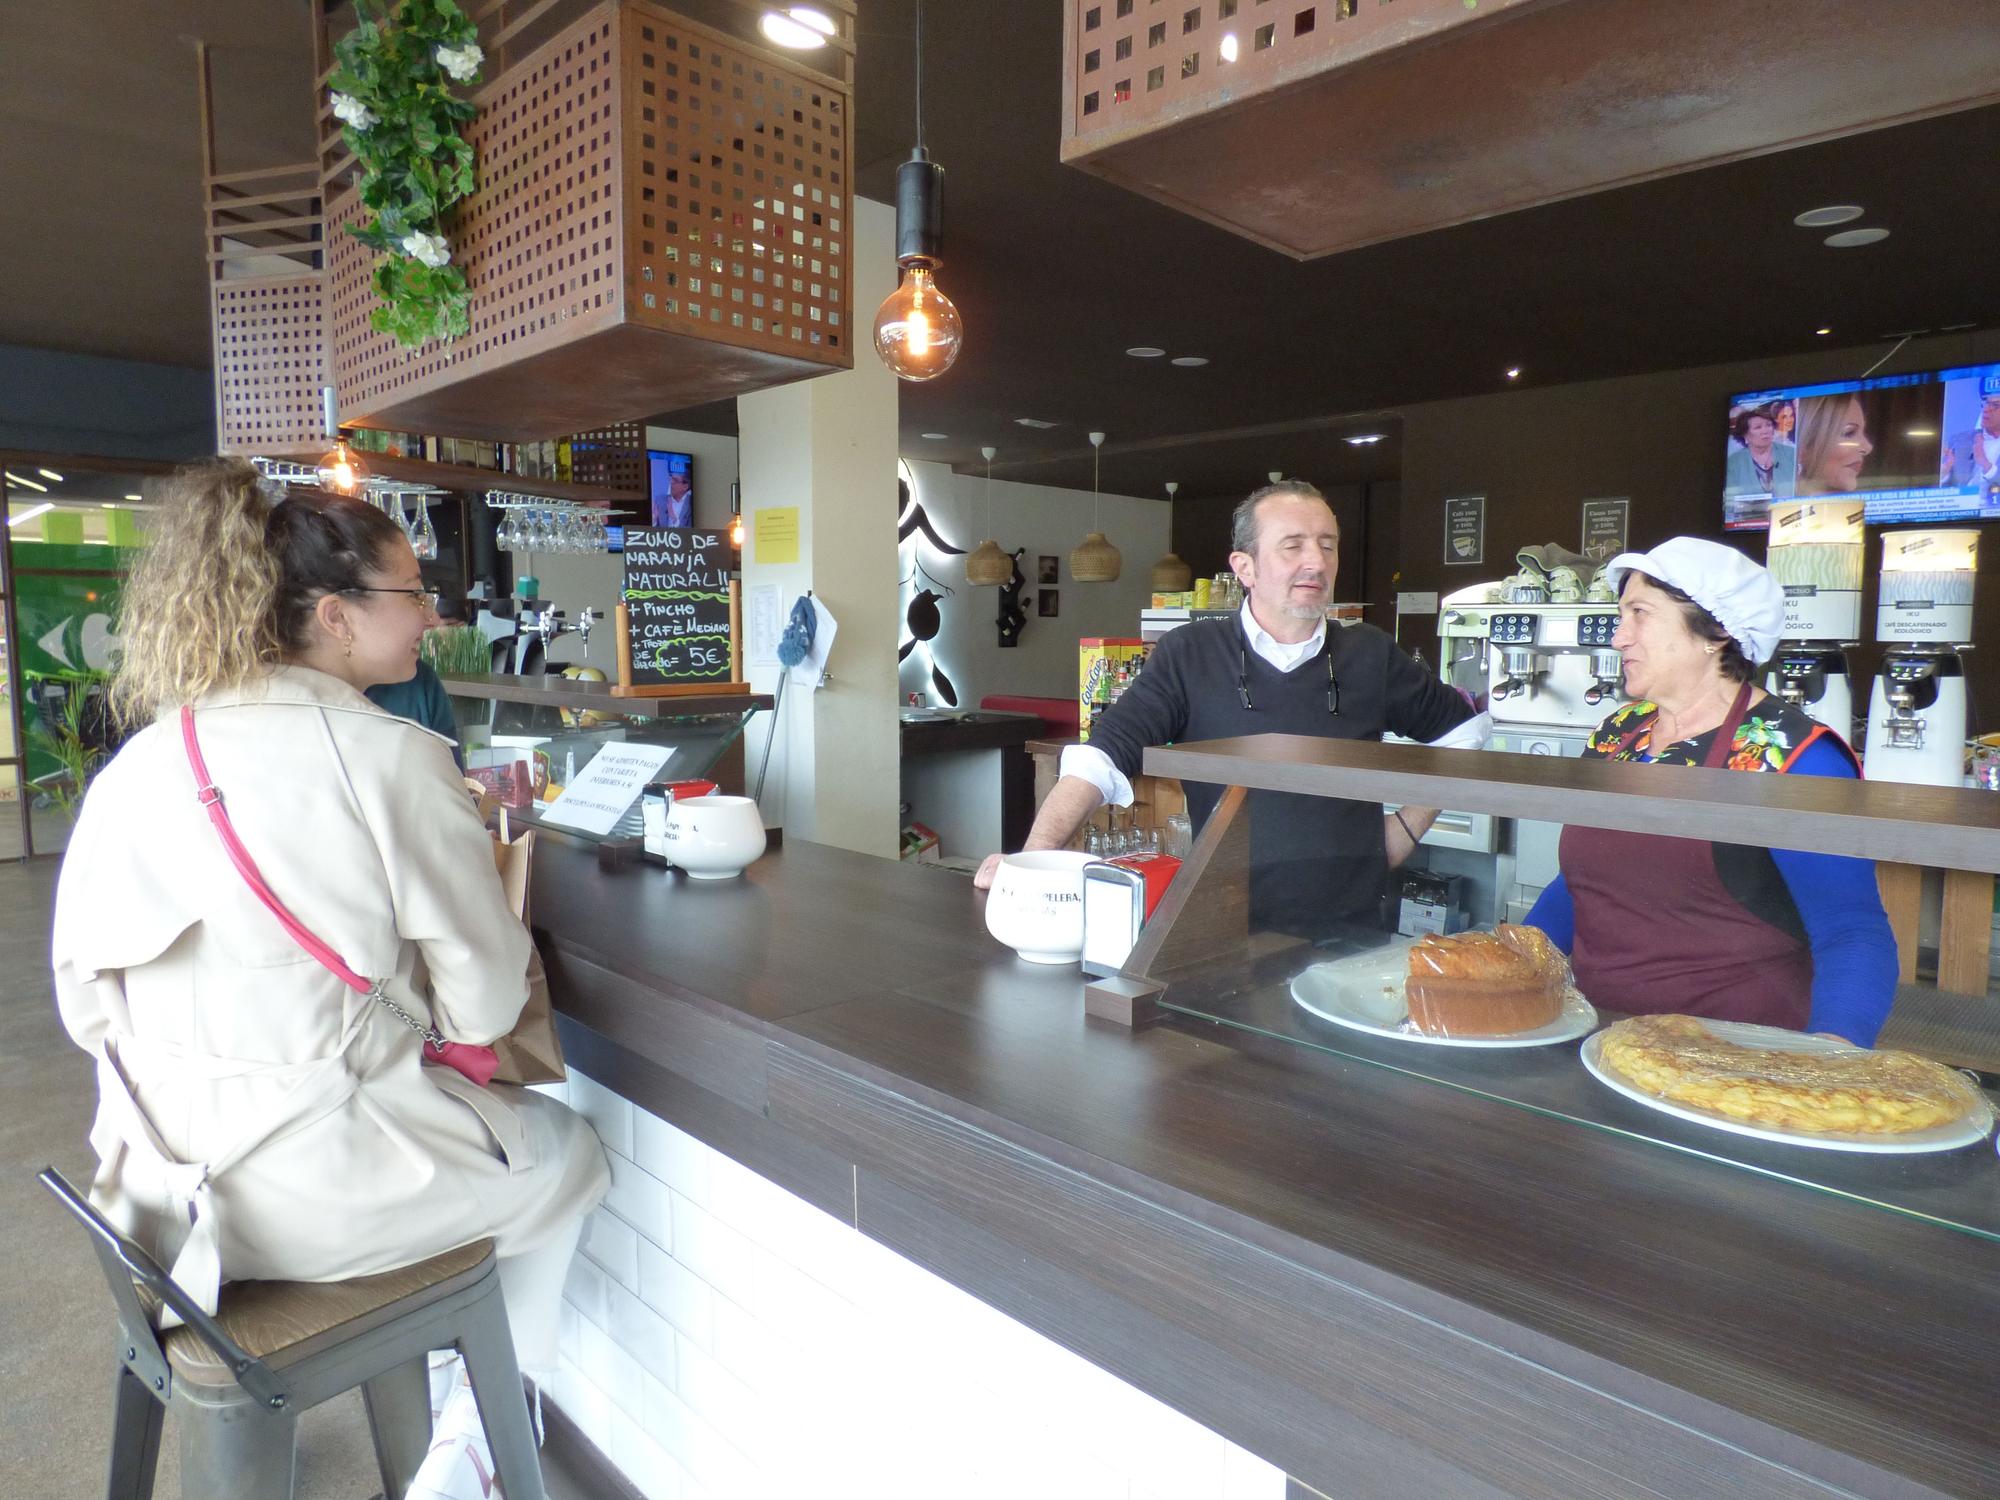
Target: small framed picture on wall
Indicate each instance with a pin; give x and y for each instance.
(1045, 570)
(1048, 603)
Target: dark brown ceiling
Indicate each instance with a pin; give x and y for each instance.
(1056, 272)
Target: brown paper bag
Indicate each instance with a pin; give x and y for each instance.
(531, 1052)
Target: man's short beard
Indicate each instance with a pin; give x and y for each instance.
(1302, 611)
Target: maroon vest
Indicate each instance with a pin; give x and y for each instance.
(1657, 930)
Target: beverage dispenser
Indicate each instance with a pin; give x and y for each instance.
(1817, 556)
(1917, 711)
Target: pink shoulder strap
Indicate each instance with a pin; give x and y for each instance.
(211, 799)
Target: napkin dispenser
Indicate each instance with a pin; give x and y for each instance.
(1118, 896)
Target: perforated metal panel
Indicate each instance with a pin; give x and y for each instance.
(538, 242)
(661, 220)
(270, 363)
(1137, 60)
(738, 194)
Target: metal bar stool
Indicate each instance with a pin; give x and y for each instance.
(237, 1381)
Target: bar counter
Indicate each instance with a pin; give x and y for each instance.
(1382, 1286)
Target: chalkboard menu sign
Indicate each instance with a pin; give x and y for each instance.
(677, 602)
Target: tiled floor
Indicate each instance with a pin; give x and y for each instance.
(55, 1314)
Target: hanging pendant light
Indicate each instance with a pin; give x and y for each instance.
(340, 467)
(918, 332)
(1095, 560)
(1170, 574)
(986, 565)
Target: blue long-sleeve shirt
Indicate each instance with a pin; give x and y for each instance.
(1840, 906)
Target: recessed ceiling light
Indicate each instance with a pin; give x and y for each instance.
(1822, 332)
(40, 489)
(1145, 351)
(1921, 432)
(1189, 361)
(797, 26)
(1827, 217)
(1363, 439)
(50, 474)
(1513, 372)
(109, 504)
(1847, 239)
(1035, 422)
(134, 497)
(936, 437)
(1229, 46)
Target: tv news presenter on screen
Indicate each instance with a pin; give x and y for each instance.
(1277, 667)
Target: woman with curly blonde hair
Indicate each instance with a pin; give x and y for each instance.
(258, 1118)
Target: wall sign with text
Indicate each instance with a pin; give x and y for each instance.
(1465, 529)
(1606, 523)
(677, 597)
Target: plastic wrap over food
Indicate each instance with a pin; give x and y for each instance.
(1497, 983)
(1823, 1088)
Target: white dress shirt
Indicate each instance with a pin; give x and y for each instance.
(1095, 767)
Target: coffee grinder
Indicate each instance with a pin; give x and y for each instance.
(1817, 556)
(1917, 712)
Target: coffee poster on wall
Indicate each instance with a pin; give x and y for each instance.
(677, 599)
(1465, 529)
(1605, 523)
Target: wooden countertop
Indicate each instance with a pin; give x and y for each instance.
(1941, 827)
(555, 691)
(1386, 1286)
(975, 729)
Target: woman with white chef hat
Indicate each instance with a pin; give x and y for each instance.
(1657, 924)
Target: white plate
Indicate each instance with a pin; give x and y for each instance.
(1967, 1132)
(1364, 992)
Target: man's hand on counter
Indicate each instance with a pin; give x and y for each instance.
(1069, 803)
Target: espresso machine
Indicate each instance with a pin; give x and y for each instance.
(1917, 712)
(1549, 675)
(1817, 556)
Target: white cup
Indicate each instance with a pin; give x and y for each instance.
(1036, 905)
(714, 837)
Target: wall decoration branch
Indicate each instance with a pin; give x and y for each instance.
(1013, 617)
(393, 91)
(921, 617)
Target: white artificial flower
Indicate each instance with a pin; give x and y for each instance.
(350, 110)
(461, 62)
(431, 249)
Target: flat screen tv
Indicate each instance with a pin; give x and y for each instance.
(671, 482)
(1910, 447)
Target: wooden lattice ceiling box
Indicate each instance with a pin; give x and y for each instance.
(662, 220)
(1313, 126)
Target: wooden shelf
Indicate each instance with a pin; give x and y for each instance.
(1936, 827)
(466, 479)
(567, 692)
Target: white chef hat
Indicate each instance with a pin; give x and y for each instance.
(1742, 595)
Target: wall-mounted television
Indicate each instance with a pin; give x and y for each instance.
(670, 479)
(1910, 447)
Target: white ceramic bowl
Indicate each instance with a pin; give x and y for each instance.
(1036, 905)
(714, 837)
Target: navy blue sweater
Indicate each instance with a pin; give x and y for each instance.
(1314, 860)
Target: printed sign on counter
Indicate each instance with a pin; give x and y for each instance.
(677, 596)
(604, 791)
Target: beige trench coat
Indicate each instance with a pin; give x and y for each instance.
(256, 1117)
